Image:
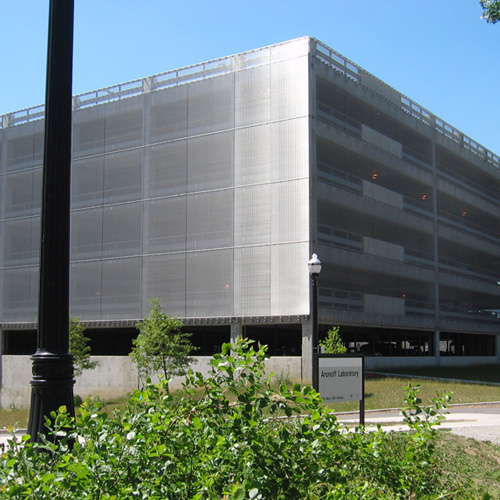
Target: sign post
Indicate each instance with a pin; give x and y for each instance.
(342, 378)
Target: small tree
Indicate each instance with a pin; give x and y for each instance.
(161, 346)
(332, 343)
(79, 348)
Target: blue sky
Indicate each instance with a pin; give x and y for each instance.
(437, 52)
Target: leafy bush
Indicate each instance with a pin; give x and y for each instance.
(230, 436)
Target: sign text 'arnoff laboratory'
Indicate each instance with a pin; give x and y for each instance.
(340, 378)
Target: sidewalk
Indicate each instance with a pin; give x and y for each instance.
(7, 435)
(479, 421)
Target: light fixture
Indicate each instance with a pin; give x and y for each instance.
(314, 265)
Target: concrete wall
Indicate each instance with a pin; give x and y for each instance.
(383, 195)
(15, 381)
(381, 141)
(383, 249)
(114, 377)
(386, 306)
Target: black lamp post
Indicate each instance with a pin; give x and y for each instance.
(314, 266)
(52, 382)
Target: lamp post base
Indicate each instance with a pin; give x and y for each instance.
(51, 388)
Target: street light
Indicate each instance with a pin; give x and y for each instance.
(52, 382)
(314, 266)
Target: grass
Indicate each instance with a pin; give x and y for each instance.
(479, 373)
(467, 469)
(470, 462)
(14, 418)
(380, 391)
(17, 418)
(387, 392)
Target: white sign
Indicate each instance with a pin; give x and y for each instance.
(340, 379)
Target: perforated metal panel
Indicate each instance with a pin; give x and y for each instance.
(86, 289)
(211, 105)
(166, 169)
(164, 276)
(190, 191)
(290, 149)
(210, 220)
(253, 96)
(210, 162)
(123, 176)
(23, 146)
(165, 225)
(169, 114)
(121, 233)
(290, 212)
(289, 283)
(87, 180)
(289, 88)
(86, 234)
(252, 155)
(252, 281)
(21, 241)
(121, 288)
(252, 212)
(22, 194)
(88, 132)
(209, 283)
(124, 124)
(20, 294)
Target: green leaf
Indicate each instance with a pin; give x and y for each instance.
(238, 493)
(48, 477)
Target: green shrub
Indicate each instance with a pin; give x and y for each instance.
(332, 343)
(228, 435)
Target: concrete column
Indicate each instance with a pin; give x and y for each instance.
(307, 358)
(436, 338)
(1, 369)
(497, 352)
(235, 332)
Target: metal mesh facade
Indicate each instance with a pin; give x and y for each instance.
(210, 186)
(196, 192)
